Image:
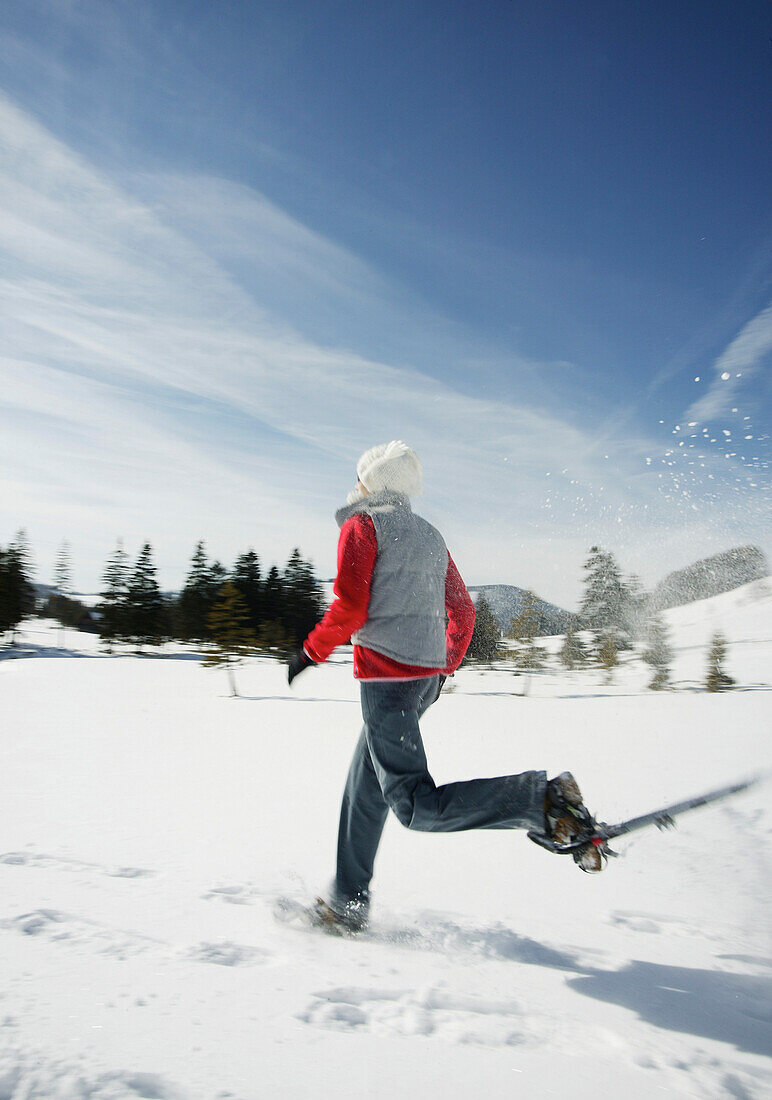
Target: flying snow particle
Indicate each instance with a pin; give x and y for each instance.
(725, 376)
(697, 378)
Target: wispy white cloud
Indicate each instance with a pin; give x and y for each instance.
(148, 391)
(746, 356)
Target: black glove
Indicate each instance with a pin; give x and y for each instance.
(297, 662)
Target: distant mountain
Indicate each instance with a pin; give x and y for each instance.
(710, 577)
(506, 603)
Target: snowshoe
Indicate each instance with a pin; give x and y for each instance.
(349, 922)
(567, 820)
(321, 916)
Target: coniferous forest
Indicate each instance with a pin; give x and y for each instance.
(248, 609)
(274, 609)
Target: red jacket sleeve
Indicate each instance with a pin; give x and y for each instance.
(357, 550)
(460, 610)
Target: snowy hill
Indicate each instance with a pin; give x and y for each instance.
(710, 577)
(506, 601)
(150, 821)
(743, 615)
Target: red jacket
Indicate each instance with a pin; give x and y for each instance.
(357, 551)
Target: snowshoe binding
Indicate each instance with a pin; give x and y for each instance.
(569, 827)
(320, 915)
(349, 922)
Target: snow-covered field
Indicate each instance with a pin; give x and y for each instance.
(148, 822)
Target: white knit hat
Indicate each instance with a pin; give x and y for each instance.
(391, 466)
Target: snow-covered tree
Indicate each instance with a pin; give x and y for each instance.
(573, 653)
(603, 605)
(717, 679)
(608, 653)
(658, 652)
(634, 605)
(523, 630)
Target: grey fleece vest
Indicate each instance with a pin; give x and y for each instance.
(406, 614)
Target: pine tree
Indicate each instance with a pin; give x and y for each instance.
(302, 603)
(114, 608)
(9, 616)
(633, 610)
(66, 610)
(144, 601)
(192, 604)
(658, 652)
(231, 632)
(21, 555)
(604, 600)
(199, 595)
(717, 678)
(17, 595)
(486, 636)
(248, 580)
(608, 653)
(63, 584)
(22, 552)
(271, 635)
(524, 629)
(573, 653)
(63, 570)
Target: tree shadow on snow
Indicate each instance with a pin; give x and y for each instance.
(732, 1008)
(290, 699)
(26, 650)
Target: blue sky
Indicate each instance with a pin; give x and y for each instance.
(242, 242)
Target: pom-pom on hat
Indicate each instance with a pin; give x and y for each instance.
(391, 466)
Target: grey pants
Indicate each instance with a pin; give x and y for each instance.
(389, 771)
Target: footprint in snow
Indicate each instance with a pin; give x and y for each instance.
(60, 863)
(55, 925)
(28, 1073)
(656, 925)
(234, 895)
(228, 954)
(452, 1017)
